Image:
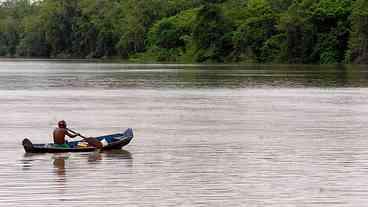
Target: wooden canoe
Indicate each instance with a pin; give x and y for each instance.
(113, 141)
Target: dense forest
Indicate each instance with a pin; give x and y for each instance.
(246, 31)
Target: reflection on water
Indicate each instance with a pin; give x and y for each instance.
(59, 164)
(118, 154)
(60, 160)
(213, 135)
(61, 75)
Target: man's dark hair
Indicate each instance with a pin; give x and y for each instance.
(62, 124)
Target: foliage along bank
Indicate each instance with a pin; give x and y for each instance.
(257, 31)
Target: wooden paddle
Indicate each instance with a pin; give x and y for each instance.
(90, 140)
(74, 132)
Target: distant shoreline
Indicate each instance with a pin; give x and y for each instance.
(125, 61)
(177, 31)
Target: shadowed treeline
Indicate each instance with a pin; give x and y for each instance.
(276, 31)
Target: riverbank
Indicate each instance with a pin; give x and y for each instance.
(231, 31)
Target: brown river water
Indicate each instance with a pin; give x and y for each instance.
(205, 135)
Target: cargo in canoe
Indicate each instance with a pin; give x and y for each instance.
(113, 141)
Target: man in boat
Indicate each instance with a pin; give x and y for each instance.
(59, 134)
(62, 130)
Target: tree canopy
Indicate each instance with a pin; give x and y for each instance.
(260, 31)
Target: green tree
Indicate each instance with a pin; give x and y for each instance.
(12, 13)
(331, 20)
(211, 35)
(250, 37)
(300, 34)
(33, 42)
(358, 43)
(169, 37)
(100, 27)
(60, 25)
(139, 17)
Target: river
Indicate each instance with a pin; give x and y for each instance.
(205, 135)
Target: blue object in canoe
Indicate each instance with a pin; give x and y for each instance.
(114, 141)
